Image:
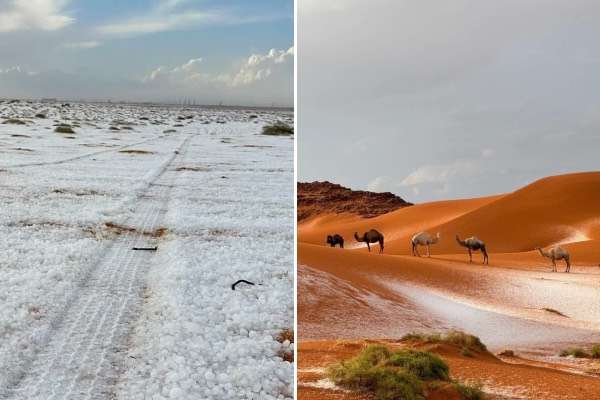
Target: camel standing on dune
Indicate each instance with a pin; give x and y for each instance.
(423, 239)
(474, 244)
(557, 253)
(335, 240)
(371, 236)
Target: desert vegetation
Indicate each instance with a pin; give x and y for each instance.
(278, 129)
(14, 121)
(578, 352)
(64, 129)
(402, 374)
(468, 343)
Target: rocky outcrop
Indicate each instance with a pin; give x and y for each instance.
(315, 198)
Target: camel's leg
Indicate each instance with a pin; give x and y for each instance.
(380, 245)
(342, 244)
(553, 265)
(369, 247)
(413, 249)
(470, 255)
(486, 259)
(568, 262)
(417, 250)
(428, 251)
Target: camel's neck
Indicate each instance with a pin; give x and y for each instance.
(543, 253)
(358, 239)
(461, 242)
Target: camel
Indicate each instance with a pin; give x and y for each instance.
(474, 244)
(335, 240)
(372, 236)
(557, 253)
(423, 239)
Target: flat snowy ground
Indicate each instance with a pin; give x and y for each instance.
(83, 314)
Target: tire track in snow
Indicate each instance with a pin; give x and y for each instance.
(81, 350)
(79, 157)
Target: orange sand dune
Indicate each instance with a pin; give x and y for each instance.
(395, 225)
(559, 209)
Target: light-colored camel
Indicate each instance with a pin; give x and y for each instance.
(557, 253)
(423, 239)
(474, 244)
(371, 236)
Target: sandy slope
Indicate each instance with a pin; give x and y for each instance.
(515, 302)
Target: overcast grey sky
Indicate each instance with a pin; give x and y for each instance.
(447, 99)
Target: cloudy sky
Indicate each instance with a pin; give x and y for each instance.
(447, 99)
(235, 52)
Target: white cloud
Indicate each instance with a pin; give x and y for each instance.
(256, 68)
(48, 15)
(259, 67)
(170, 15)
(190, 71)
(441, 173)
(83, 45)
(16, 71)
(378, 184)
(158, 23)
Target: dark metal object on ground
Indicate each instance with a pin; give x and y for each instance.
(146, 248)
(241, 281)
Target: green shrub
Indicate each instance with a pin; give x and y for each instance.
(595, 352)
(576, 352)
(393, 384)
(424, 337)
(466, 352)
(278, 129)
(458, 338)
(470, 391)
(385, 382)
(425, 365)
(14, 121)
(376, 354)
(465, 340)
(64, 129)
(389, 375)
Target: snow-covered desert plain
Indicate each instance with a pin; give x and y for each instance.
(83, 314)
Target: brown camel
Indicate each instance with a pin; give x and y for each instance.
(335, 240)
(557, 253)
(371, 236)
(474, 244)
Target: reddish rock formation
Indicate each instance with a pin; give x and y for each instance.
(316, 198)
